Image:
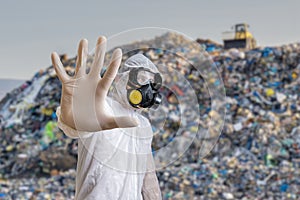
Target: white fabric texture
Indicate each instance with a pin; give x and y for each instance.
(138, 60)
(112, 163)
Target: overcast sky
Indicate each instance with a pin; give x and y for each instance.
(31, 30)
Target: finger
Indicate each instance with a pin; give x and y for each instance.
(112, 69)
(81, 58)
(59, 68)
(99, 57)
(121, 122)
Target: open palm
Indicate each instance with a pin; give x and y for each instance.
(83, 105)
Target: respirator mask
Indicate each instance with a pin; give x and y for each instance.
(142, 88)
(137, 84)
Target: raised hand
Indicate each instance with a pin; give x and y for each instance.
(83, 105)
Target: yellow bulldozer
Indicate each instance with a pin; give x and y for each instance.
(241, 38)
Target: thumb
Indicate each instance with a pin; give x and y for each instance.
(122, 122)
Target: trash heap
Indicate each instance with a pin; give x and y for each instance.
(256, 157)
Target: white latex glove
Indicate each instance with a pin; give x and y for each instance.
(83, 105)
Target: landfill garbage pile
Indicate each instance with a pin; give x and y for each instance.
(256, 157)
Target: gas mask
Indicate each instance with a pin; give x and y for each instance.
(137, 84)
(142, 88)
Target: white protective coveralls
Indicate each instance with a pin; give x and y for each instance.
(117, 163)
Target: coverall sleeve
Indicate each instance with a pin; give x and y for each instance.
(70, 132)
(151, 189)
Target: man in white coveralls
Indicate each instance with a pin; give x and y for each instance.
(114, 145)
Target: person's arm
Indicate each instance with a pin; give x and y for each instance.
(151, 189)
(82, 105)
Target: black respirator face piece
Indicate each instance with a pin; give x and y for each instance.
(142, 88)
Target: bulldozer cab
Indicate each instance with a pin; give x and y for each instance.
(241, 31)
(242, 38)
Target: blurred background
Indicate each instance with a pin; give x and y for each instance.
(258, 153)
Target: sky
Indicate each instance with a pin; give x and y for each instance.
(31, 30)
